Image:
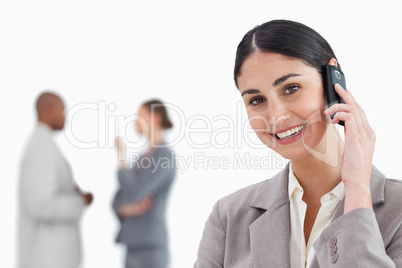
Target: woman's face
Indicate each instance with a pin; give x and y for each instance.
(143, 122)
(284, 102)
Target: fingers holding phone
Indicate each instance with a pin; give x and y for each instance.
(358, 150)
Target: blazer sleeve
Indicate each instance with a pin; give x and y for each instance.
(43, 195)
(159, 177)
(355, 240)
(154, 179)
(128, 185)
(211, 250)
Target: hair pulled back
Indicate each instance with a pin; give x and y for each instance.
(288, 38)
(157, 106)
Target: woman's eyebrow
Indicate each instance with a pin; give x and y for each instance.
(282, 79)
(277, 82)
(250, 91)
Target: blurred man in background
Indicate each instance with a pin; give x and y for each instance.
(50, 202)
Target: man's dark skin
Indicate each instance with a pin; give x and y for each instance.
(50, 111)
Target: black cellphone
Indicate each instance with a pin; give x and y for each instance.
(333, 76)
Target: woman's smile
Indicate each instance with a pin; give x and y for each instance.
(281, 95)
(290, 134)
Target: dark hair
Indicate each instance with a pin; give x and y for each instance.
(156, 106)
(288, 38)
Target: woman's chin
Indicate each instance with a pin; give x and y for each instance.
(297, 151)
(294, 154)
(290, 152)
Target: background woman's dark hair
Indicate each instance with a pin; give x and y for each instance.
(158, 107)
(288, 38)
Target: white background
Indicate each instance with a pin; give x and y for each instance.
(116, 54)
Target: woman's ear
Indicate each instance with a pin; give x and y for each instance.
(333, 61)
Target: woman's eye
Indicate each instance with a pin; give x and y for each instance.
(256, 101)
(291, 89)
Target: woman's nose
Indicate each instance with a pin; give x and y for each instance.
(277, 112)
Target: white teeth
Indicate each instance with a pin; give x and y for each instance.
(290, 132)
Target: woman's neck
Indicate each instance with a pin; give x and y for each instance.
(155, 138)
(320, 171)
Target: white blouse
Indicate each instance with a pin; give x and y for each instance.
(301, 255)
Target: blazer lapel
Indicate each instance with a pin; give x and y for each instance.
(269, 234)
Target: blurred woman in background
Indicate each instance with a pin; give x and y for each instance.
(140, 203)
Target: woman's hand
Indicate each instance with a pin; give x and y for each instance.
(136, 209)
(119, 142)
(358, 152)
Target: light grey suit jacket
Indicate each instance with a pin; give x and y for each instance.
(250, 228)
(49, 206)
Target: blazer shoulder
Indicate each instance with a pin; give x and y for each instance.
(265, 192)
(236, 207)
(259, 195)
(389, 200)
(393, 191)
(393, 182)
(165, 153)
(38, 145)
(242, 196)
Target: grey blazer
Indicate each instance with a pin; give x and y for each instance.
(149, 176)
(250, 228)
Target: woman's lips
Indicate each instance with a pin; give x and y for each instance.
(290, 134)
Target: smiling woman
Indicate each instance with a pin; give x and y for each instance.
(330, 204)
(285, 99)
